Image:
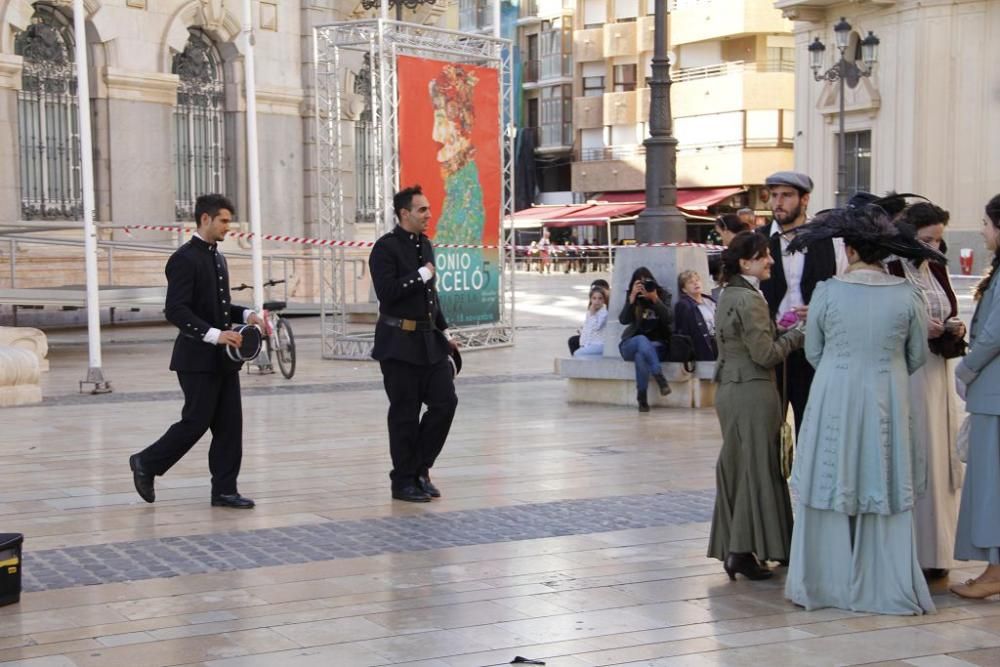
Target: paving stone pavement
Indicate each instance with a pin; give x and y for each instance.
(197, 554)
(273, 390)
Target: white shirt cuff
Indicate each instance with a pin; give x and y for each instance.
(447, 334)
(212, 336)
(425, 273)
(246, 315)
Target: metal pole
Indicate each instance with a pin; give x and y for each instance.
(660, 220)
(95, 377)
(253, 175)
(496, 18)
(842, 143)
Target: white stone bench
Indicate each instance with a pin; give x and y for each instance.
(611, 381)
(18, 377)
(27, 338)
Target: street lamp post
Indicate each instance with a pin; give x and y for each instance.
(660, 220)
(848, 74)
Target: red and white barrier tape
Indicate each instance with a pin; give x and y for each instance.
(367, 244)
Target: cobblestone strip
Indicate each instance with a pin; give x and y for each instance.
(195, 554)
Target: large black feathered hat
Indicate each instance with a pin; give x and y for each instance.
(864, 224)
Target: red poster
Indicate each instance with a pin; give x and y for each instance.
(449, 143)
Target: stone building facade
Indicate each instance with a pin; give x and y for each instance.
(169, 109)
(926, 121)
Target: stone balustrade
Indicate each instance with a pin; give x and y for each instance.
(27, 338)
(18, 377)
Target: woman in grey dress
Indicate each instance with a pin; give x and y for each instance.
(977, 379)
(752, 521)
(858, 467)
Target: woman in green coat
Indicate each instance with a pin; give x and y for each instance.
(753, 513)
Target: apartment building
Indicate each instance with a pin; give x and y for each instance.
(585, 67)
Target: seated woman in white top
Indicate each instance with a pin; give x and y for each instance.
(592, 333)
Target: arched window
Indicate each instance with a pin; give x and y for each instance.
(199, 123)
(47, 119)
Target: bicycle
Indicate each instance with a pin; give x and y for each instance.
(278, 337)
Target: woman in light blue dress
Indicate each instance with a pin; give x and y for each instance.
(857, 469)
(978, 382)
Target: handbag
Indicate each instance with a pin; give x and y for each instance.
(681, 350)
(786, 439)
(948, 345)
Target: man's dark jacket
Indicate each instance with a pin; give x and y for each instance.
(402, 293)
(197, 300)
(820, 264)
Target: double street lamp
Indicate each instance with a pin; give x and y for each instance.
(848, 74)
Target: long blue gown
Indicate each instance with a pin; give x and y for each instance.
(858, 470)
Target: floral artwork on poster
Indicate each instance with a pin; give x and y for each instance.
(449, 143)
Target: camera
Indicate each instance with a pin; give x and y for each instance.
(649, 285)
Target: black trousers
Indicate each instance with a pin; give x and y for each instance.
(211, 401)
(415, 441)
(800, 377)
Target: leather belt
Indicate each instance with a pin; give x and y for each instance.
(406, 325)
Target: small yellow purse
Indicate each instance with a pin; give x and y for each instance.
(786, 437)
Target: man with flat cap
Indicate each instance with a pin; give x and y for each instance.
(413, 348)
(794, 276)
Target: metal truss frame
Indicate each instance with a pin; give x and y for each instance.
(383, 41)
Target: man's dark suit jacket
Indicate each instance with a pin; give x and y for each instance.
(820, 264)
(402, 293)
(197, 300)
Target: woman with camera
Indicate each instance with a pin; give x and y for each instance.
(753, 513)
(647, 318)
(932, 394)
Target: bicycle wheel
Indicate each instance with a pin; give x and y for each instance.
(286, 348)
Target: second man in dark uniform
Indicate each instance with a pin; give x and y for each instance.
(413, 348)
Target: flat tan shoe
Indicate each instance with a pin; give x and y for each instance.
(976, 590)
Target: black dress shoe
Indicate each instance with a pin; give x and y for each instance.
(747, 565)
(425, 484)
(234, 500)
(935, 573)
(411, 494)
(143, 480)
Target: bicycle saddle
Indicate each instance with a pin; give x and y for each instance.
(274, 306)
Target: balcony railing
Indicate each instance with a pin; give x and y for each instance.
(734, 67)
(611, 153)
(529, 71)
(637, 151)
(676, 5)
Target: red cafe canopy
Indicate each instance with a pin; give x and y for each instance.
(596, 214)
(692, 200)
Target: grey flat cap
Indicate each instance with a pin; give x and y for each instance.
(795, 179)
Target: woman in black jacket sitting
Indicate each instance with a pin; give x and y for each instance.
(694, 316)
(647, 318)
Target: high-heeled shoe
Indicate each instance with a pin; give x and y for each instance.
(747, 565)
(976, 590)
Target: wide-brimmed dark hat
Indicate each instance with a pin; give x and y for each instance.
(250, 347)
(864, 224)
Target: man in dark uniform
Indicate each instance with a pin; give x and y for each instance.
(198, 304)
(413, 348)
(794, 276)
